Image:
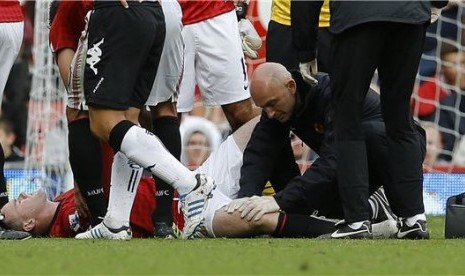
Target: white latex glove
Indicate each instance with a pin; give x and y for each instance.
(251, 41)
(308, 71)
(258, 206)
(236, 204)
(435, 13)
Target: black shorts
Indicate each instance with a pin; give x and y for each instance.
(124, 49)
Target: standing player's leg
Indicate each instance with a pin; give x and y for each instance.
(84, 148)
(163, 109)
(11, 37)
(109, 101)
(405, 158)
(166, 128)
(85, 152)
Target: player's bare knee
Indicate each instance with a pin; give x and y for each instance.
(132, 114)
(238, 113)
(266, 225)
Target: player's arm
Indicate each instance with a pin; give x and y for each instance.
(81, 205)
(304, 25)
(64, 35)
(64, 58)
(261, 154)
(322, 173)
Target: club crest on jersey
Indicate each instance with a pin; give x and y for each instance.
(93, 55)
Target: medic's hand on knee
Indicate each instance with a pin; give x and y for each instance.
(258, 206)
(236, 204)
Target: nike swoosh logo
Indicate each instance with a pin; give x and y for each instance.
(403, 234)
(341, 235)
(246, 86)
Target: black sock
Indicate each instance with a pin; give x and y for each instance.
(3, 191)
(301, 226)
(85, 157)
(167, 130)
(117, 134)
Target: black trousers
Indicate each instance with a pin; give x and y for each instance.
(280, 48)
(317, 188)
(395, 50)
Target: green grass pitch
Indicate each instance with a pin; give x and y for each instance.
(236, 256)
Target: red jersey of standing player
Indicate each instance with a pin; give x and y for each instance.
(194, 11)
(68, 24)
(10, 11)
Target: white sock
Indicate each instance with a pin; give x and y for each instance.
(374, 208)
(147, 150)
(356, 225)
(125, 177)
(410, 221)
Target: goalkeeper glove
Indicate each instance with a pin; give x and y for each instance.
(308, 71)
(435, 13)
(251, 41)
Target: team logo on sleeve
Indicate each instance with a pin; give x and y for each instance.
(93, 55)
(74, 221)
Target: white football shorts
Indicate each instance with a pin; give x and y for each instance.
(224, 166)
(168, 78)
(214, 60)
(11, 37)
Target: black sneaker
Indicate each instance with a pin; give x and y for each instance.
(419, 231)
(6, 234)
(384, 211)
(164, 231)
(344, 231)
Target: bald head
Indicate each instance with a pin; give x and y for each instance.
(273, 88)
(267, 75)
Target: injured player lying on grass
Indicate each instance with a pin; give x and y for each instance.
(40, 217)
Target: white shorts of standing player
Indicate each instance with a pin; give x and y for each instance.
(168, 78)
(214, 60)
(11, 37)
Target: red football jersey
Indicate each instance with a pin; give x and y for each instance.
(143, 208)
(194, 11)
(67, 223)
(68, 24)
(10, 11)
